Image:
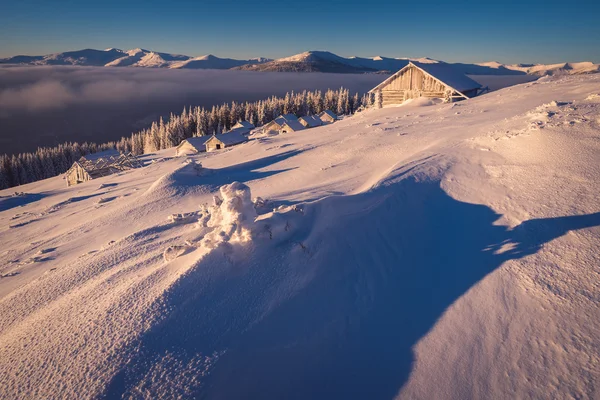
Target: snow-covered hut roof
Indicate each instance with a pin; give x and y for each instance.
(105, 163)
(330, 113)
(196, 142)
(100, 154)
(279, 121)
(294, 125)
(243, 127)
(288, 117)
(243, 124)
(311, 120)
(230, 138)
(441, 71)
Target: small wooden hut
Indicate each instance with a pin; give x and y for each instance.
(193, 145)
(243, 127)
(328, 117)
(276, 125)
(417, 79)
(100, 164)
(310, 121)
(218, 142)
(291, 126)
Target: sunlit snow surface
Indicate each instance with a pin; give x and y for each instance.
(428, 251)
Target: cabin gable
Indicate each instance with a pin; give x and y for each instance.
(435, 80)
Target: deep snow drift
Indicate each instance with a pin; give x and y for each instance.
(422, 251)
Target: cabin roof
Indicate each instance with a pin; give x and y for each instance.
(105, 163)
(100, 154)
(243, 124)
(288, 117)
(330, 113)
(441, 71)
(197, 142)
(294, 125)
(230, 138)
(312, 120)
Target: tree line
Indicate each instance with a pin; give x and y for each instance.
(47, 162)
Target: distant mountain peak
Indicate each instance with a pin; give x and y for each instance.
(307, 61)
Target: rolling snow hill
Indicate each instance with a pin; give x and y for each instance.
(427, 251)
(309, 61)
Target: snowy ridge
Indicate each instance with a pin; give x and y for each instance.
(131, 58)
(309, 61)
(363, 259)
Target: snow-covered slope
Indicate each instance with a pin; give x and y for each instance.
(424, 251)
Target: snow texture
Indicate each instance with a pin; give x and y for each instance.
(446, 251)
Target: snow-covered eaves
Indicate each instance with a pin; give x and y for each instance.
(311, 121)
(294, 125)
(243, 124)
(329, 113)
(100, 154)
(230, 138)
(196, 142)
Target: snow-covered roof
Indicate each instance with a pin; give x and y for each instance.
(105, 163)
(196, 142)
(230, 138)
(243, 124)
(448, 74)
(441, 71)
(295, 125)
(241, 129)
(311, 120)
(100, 154)
(288, 117)
(330, 113)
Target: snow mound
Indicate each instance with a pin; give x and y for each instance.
(231, 217)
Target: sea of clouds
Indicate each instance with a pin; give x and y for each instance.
(47, 105)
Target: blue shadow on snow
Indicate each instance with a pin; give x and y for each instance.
(379, 277)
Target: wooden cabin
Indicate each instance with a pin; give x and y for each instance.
(291, 126)
(193, 145)
(417, 79)
(310, 121)
(276, 125)
(328, 117)
(224, 140)
(243, 127)
(100, 164)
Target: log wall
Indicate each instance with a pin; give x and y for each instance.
(410, 84)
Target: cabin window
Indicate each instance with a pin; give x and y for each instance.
(218, 146)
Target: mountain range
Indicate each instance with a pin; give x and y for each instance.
(309, 61)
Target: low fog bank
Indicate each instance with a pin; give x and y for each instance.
(45, 106)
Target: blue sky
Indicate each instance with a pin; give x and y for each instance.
(470, 31)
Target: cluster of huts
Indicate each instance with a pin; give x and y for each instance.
(416, 79)
(286, 123)
(236, 135)
(100, 164)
